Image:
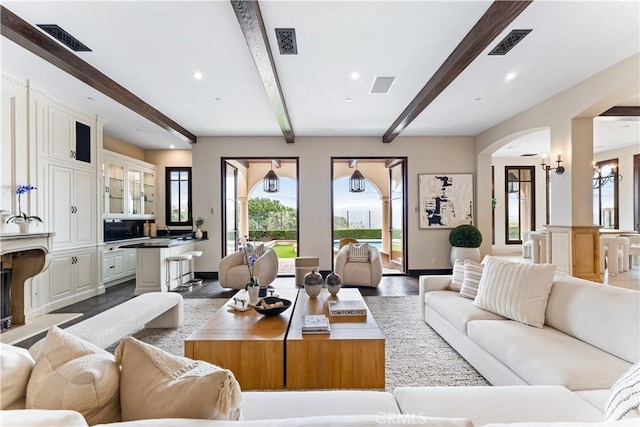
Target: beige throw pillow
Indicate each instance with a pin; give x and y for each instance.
(515, 290)
(624, 399)
(16, 365)
(457, 277)
(157, 384)
(71, 373)
(472, 275)
(358, 252)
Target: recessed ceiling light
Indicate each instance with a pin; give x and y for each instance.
(510, 76)
(355, 75)
(139, 130)
(478, 99)
(217, 99)
(172, 146)
(510, 147)
(625, 126)
(90, 98)
(347, 100)
(599, 146)
(197, 75)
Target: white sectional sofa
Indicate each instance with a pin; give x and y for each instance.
(591, 334)
(557, 375)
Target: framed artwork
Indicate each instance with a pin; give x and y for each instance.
(446, 200)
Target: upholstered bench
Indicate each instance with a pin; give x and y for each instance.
(150, 310)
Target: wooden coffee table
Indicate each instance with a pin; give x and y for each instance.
(352, 356)
(249, 344)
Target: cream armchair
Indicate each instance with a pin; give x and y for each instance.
(232, 273)
(359, 273)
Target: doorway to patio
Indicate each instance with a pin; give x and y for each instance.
(370, 205)
(261, 201)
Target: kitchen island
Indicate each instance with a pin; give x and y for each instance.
(151, 271)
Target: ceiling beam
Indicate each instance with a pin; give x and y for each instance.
(35, 41)
(622, 111)
(255, 34)
(499, 15)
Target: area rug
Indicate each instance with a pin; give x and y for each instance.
(415, 353)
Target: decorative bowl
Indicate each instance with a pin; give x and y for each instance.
(271, 311)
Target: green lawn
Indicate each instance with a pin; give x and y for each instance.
(285, 251)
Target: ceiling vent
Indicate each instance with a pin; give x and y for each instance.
(381, 85)
(287, 41)
(508, 43)
(65, 38)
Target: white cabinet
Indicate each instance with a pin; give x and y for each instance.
(118, 265)
(113, 265)
(129, 187)
(71, 277)
(70, 139)
(72, 208)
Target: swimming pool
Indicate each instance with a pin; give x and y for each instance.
(373, 242)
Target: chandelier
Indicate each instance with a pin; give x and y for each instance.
(271, 182)
(605, 174)
(356, 182)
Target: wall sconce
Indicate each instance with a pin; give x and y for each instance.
(600, 180)
(559, 168)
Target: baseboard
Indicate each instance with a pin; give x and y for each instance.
(206, 275)
(433, 272)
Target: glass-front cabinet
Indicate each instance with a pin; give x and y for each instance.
(130, 187)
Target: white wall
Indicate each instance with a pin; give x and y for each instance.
(428, 249)
(499, 164)
(625, 187)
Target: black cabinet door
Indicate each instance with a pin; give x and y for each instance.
(83, 142)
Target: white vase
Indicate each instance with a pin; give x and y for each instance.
(198, 233)
(253, 294)
(24, 226)
(464, 253)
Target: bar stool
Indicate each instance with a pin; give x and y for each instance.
(181, 287)
(611, 248)
(192, 279)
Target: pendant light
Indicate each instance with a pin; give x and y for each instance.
(356, 182)
(271, 183)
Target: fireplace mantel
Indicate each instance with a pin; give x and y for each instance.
(26, 255)
(16, 242)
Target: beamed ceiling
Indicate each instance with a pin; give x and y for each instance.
(139, 74)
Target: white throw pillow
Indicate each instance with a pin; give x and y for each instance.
(458, 275)
(157, 384)
(71, 373)
(358, 252)
(624, 399)
(16, 365)
(472, 276)
(515, 290)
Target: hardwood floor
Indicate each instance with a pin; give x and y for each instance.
(393, 285)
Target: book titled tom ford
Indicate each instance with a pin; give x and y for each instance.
(347, 308)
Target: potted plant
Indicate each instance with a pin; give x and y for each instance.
(199, 222)
(465, 243)
(22, 219)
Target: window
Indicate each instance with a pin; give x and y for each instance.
(178, 196)
(520, 202)
(605, 194)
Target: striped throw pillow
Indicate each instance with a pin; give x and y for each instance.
(472, 275)
(458, 275)
(358, 252)
(624, 399)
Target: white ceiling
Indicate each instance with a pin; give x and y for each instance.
(153, 47)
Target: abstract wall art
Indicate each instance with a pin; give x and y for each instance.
(446, 200)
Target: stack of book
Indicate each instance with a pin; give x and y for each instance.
(347, 308)
(315, 324)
